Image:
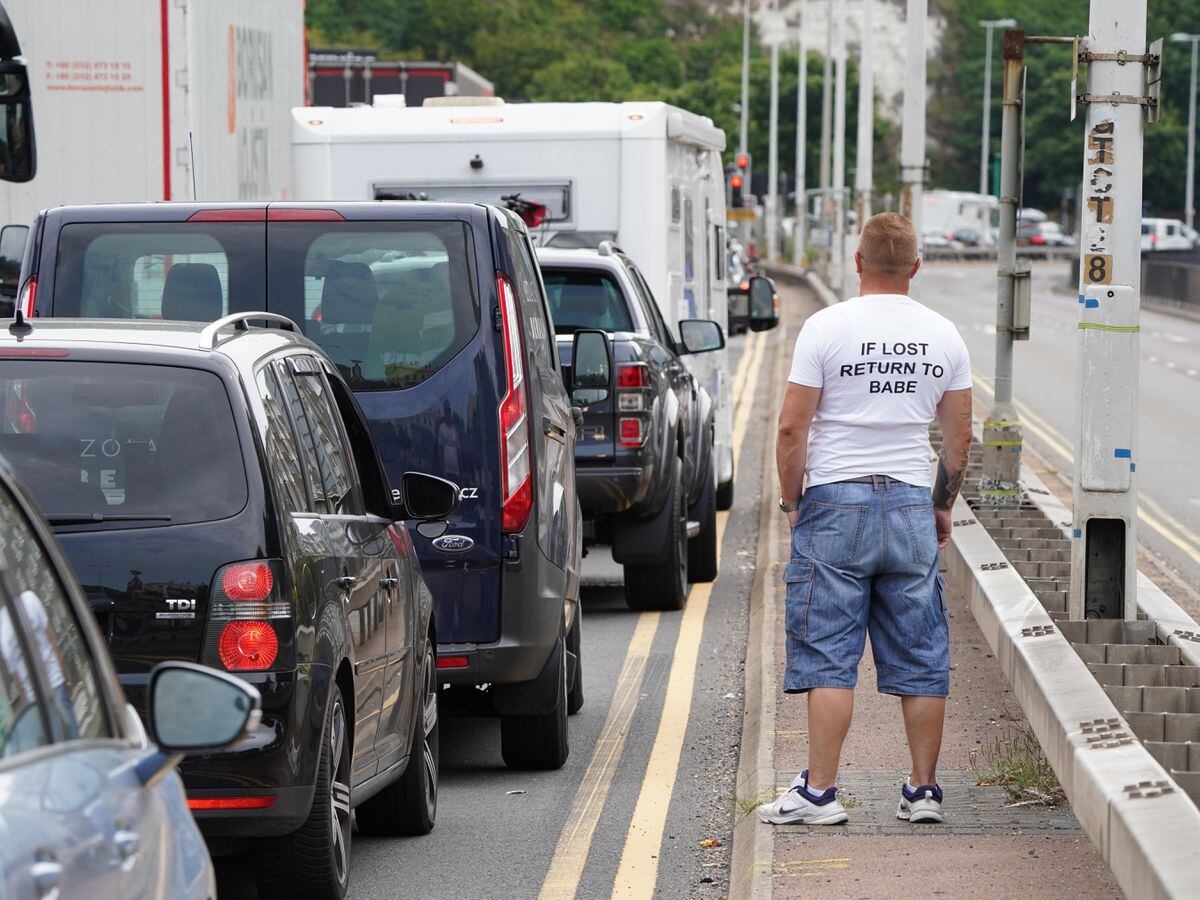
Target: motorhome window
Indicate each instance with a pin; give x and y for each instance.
(585, 298)
(555, 197)
(390, 302)
(189, 271)
(718, 253)
(92, 438)
(689, 241)
(675, 210)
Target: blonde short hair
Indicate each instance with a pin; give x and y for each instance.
(888, 245)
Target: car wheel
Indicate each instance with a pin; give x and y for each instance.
(702, 549)
(574, 644)
(664, 585)
(725, 495)
(409, 804)
(539, 742)
(314, 860)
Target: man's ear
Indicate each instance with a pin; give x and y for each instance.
(913, 273)
(858, 262)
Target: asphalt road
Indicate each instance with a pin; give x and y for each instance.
(655, 745)
(1044, 387)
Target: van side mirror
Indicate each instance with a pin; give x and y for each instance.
(427, 497)
(18, 158)
(764, 304)
(700, 335)
(12, 249)
(591, 366)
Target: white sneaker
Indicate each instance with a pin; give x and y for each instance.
(798, 805)
(922, 805)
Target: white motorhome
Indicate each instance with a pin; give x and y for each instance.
(647, 175)
(948, 211)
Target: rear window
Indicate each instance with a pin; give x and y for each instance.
(390, 302)
(122, 440)
(191, 271)
(585, 299)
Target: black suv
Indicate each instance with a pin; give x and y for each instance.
(435, 315)
(218, 494)
(643, 460)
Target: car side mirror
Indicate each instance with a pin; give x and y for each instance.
(591, 366)
(427, 497)
(18, 158)
(764, 304)
(195, 709)
(700, 335)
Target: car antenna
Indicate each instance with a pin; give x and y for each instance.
(20, 325)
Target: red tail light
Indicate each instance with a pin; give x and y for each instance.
(248, 646)
(514, 419)
(453, 662)
(230, 802)
(28, 297)
(247, 581)
(253, 214)
(633, 377)
(18, 416)
(630, 432)
(1037, 239)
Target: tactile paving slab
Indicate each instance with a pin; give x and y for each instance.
(969, 809)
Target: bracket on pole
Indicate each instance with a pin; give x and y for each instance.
(1152, 61)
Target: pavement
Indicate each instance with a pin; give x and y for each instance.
(1044, 370)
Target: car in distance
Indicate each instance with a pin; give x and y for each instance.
(1049, 234)
(90, 805)
(434, 315)
(216, 489)
(1165, 234)
(643, 460)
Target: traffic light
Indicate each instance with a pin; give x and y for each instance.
(735, 190)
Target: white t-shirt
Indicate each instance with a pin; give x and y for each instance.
(882, 362)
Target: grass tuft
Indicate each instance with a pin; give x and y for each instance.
(1015, 762)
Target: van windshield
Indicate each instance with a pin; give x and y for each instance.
(580, 298)
(136, 444)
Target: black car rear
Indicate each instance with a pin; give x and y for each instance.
(436, 317)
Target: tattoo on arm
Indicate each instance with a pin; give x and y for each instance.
(949, 479)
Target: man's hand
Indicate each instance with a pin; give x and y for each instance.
(793, 518)
(943, 518)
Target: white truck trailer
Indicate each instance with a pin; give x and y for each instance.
(129, 92)
(647, 175)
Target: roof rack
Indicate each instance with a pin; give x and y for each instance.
(240, 321)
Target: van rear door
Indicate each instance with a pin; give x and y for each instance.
(392, 293)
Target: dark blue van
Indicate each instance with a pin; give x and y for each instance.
(436, 316)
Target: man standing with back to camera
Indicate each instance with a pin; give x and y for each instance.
(868, 376)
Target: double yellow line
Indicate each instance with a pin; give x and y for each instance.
(638, 870)
(1150, 513)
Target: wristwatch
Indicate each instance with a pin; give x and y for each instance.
(788, 507)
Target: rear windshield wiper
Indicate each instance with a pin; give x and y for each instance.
(89, 518)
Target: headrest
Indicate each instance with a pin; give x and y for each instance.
(192, 293)
(349, 296)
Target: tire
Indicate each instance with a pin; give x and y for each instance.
(664, 585)
(702, 549)
(574, 643)
(538, 742)
(725, 495)
(314, 860)
(408, 806)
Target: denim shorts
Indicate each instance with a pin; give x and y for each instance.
(865, 559)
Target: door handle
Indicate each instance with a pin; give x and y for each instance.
(46, 873)
(390, 583)
(126, 843)
(346, 582)
(555, 431)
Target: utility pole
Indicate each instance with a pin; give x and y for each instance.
(827, 98)
(912, 134)
(839, 148)
(1103, 549)
(774, 36)
(744, 132)
(988, 25)
(1002, 430)
(1189, 205)
(800, 230)
(865, 155)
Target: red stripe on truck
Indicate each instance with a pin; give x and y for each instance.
(166, 96)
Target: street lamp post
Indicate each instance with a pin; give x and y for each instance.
(988, 25)
(744, 124)
(1189, 205)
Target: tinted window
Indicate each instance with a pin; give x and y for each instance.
(75, 706)
(117, 439)
(21, 725)
(585, 298)
(283, 461)
(390, 302)
(530, 291)
(315, 502)
(161, 270)
(655, 313)
(338, 484)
